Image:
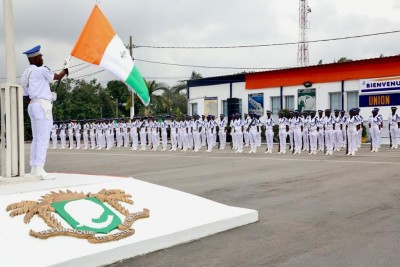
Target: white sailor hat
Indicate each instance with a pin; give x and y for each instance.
(33, 52)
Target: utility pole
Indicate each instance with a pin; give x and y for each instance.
(302, 51)
(116, 108)
(132, 93)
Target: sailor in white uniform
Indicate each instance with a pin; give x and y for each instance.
(374, 123)
(269, 132)
(54, 130)
(283, 132)
(394, 125)
(222, 124)
(35, 82)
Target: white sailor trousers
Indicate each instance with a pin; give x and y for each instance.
(41, 127)
(394, 132)
(374, 130)
(282, 139)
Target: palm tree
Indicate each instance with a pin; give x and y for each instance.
(182, 85)
(156, 101)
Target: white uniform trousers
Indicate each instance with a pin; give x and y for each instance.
(290, 133)
(185, 141)
(269, 136)
(321, 143)
(352, 139)
(252, 139)
(143, 141)
(222, 139)
(180, 139)
(209, 140)
(329, 139)
(203, 137)
(71, 139)
(297, 139)
(78, 140)
(164, 139)
(246, 135)
(234, 139)
(313, 140)
(394, 133)
(174, 139)
(54, 140)
(63, 138)
(282, 140)
(196, 140)
(86, 140)
(239, 140)
(134, 136)
(190, 140)
(259, 138)
(92, 139)
(41, 127)
(109, 140)
(153, 140)
(306, 144)
(98, 139)
(338, 139)
(125, 137)
(374, 131)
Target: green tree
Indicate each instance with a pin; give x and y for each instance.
(344, 59)
(120, 93)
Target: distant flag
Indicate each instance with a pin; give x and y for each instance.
(100, 45)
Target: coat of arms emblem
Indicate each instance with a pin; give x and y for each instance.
(91, 216)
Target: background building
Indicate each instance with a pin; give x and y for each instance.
(364, 83)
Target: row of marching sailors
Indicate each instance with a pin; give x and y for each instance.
(186, 133)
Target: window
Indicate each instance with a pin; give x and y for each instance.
(240, 106)
(289, 102)
(224, 107)
(335, 101)
(195, 109)
(275, 104)
(352, 100)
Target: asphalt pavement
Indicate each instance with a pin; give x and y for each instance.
(313, 210)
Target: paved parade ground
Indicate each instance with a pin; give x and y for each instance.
(313, 210)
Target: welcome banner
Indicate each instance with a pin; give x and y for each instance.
(380, 85)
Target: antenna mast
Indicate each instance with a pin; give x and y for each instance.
(302, 51)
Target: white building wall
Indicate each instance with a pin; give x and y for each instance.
(198, 94)
(323, 90)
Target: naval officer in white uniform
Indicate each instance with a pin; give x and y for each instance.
(35, 82)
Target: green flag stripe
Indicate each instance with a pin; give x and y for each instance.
(136, 82)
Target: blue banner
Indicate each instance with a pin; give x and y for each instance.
(379, 100)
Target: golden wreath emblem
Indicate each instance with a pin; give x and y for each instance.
(87, 214)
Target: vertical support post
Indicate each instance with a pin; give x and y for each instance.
(187, 98)
(281, 94)
(342, 95)
(12, 119)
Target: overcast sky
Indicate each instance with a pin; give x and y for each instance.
(56, 24)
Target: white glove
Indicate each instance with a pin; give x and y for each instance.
(53, 96)
(66, 63)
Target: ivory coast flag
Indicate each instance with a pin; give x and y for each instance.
(100, 45)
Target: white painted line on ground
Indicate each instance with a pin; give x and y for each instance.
(239, 157)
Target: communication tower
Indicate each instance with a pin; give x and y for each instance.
(304, 25)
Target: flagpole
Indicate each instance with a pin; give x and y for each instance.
(132, 93)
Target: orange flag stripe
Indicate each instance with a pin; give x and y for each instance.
(94, 38)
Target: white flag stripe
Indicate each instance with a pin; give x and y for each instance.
(117, 59)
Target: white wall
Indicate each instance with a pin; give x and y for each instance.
(197, 95)
(323, 90)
